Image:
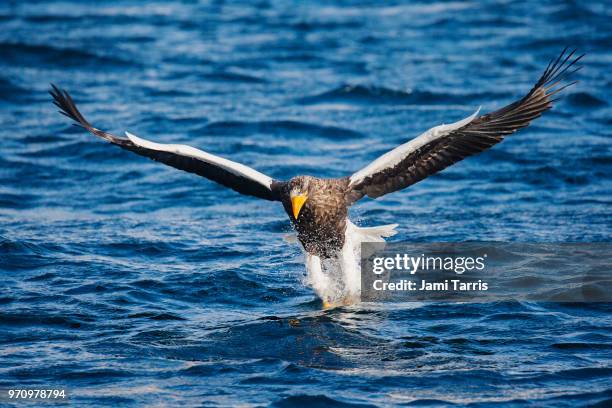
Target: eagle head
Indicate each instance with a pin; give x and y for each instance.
(299, 187)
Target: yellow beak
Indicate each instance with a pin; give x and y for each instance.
(297, 202)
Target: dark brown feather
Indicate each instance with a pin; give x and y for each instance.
(322, 222)
(475, 137)
(215, 173)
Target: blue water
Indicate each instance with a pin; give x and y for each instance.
(130, 283)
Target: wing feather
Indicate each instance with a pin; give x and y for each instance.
(236, 176)
(443, 146)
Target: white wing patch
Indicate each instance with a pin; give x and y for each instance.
(184, 150)
(393, 157)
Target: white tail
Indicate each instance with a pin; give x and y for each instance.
(369, 234)
(337, 280)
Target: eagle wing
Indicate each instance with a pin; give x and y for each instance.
(236, 176)
(445, 145)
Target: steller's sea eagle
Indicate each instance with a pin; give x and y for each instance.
(318, 208)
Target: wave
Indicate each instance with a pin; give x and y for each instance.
(156, 316)
(586, 100)
(544, 176)
(17, 200)
(279, 128)
(361, 94)
(43, 319)
(315, 401)
(226, 76)
(581, 346)
(12, 93)
(44, 54)
(110, 19)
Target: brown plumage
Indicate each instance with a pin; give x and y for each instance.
(475, 137)
(323, 212)
(322, 221)
(243, 185)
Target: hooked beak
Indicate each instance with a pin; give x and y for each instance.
(297, 202)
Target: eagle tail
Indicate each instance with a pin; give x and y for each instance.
(372, 234)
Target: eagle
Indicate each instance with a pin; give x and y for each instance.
(318, 207)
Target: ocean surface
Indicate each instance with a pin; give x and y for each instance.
(128, 283)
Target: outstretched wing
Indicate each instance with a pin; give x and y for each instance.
(445, 145)
(236, 176)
